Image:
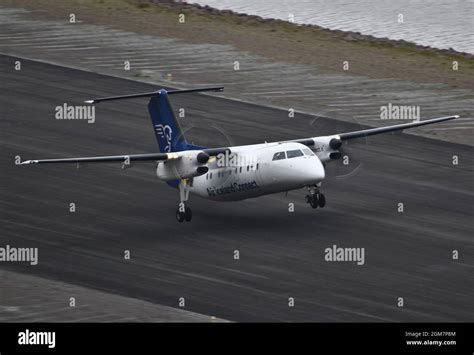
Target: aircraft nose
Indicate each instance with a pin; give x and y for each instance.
(313, 171)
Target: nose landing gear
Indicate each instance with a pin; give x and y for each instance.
(315, 198)
(183, 213)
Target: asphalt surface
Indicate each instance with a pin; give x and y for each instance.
(407, 254)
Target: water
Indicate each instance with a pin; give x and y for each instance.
(436, 23)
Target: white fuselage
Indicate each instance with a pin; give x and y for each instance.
(257, 170)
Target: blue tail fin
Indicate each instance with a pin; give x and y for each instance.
(167, 129)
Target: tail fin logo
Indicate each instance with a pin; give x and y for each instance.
(165, 132)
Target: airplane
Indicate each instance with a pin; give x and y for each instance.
(237, 172)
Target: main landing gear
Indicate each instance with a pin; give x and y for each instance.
(315, 198)
(183, 213)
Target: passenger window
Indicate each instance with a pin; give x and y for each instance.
(308, 152)
(279, 156)
(294, 153)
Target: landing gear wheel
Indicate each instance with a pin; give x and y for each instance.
(180, 216)
(321, 200)
(308, 198)
(188, 214)
(314, 201)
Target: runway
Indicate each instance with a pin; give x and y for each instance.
(407, 254)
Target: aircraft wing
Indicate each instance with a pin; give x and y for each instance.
(334, 142)
(398, 127)
(107, 158)
(201, 154)
(327, 147)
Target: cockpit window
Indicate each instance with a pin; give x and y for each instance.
(279, 156)
(294, 153)
(308, 152)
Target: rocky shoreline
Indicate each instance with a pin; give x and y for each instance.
(349, 36)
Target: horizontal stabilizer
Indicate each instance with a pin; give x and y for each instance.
(154, 93)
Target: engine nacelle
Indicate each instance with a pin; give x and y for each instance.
(190, 164)
(327, 148)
